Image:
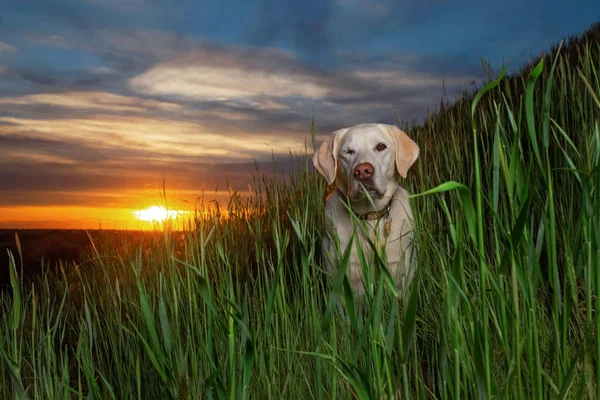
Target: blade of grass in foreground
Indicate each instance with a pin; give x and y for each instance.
(480, 233)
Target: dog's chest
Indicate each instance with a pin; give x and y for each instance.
(384, 234)
(387, 232)
(379, 232)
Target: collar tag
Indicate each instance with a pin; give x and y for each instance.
(388, 225)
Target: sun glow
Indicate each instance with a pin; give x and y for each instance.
(157, 214)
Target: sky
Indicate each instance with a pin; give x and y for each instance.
(100, 100)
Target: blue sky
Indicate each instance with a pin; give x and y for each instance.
(103, 97)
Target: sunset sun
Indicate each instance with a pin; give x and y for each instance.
(157, 214)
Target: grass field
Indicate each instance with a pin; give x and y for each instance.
(505, 303)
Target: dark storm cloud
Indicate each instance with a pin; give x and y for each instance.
(63, 12)
(303, 24)
(37, 78)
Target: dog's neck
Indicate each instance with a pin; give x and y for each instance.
(378, 209)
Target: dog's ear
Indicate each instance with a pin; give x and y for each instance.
(325, 158)
(407, 151)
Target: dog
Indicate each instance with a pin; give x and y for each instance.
(360, 160)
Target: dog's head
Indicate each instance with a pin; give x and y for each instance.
(369, 155)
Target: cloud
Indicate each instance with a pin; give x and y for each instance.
(37, 78)
(88, 101)
(7, 48)
(226, 83)
(121, 5)
(305, 25)
(375, 9)
(399, 88)
(103, 70)
(54, 40)
(169, 95)
(224, 104)
(120, 182)
(158, 138)
(77, 16)
(34, 156)
(229, 73)
(136, 128)
(406, 79)
(273, 82)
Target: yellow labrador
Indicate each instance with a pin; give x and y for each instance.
(372, 158)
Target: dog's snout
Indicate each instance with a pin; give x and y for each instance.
(363, 171)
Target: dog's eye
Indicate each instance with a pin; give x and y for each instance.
(349, 152)
(381, 147)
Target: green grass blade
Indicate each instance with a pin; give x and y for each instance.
(410, 318)
(486, 89)
(164, 325)
(529, 110)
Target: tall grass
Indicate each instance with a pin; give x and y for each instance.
(505, 302)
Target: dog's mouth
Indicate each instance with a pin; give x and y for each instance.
(360, 193)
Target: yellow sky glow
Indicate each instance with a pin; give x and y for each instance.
(158, 214)
(64, 217)
(128, 209)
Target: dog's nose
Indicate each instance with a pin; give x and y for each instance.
(363, 171)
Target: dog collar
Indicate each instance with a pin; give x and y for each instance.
(377, 215)
(373, 215)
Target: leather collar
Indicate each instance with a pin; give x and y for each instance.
(374, 215)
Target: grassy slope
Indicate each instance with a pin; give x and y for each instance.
(240, 307)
